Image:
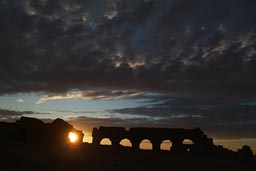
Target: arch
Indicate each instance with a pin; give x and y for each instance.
(146, 145)
(126, 142)
(166, 145)
(105, 141)
(187, 142)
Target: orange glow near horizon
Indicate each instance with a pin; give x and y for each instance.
(72, 137)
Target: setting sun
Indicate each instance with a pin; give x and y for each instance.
(72, 137)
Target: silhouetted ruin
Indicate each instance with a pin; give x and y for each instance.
(34, 130)
(245, 151)
(201, 144)
(30, 130)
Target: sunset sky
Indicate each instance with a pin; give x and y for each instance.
(154, 63)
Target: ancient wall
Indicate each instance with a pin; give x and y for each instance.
(201, 143)
(34, 130)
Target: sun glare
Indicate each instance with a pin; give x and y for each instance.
(72, 137)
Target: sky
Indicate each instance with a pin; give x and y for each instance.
(154, 63)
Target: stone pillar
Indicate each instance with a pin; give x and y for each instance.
(156, 144)
(177, 146)
(80, 136)
(95, 137)
(135, 144)
(96, 140)
(115, 141)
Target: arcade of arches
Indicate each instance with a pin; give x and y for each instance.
(174, 140)
(144, 145)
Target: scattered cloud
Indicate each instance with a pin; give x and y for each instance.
(20, 101)
(91, 95)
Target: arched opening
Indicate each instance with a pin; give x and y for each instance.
(105, 141)
(166, 145)
(146, 145)
(126, 143)
(187, 142)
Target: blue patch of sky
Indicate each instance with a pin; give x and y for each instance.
(69, 107)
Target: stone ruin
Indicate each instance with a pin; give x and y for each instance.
(34, 130)
(201, 143)
(30, 130)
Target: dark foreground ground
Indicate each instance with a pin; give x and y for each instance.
(39, 157)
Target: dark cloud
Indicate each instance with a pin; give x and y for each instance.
(5, 112)
(193, 46)
(12, 115)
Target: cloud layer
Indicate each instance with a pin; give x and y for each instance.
(177, 45)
